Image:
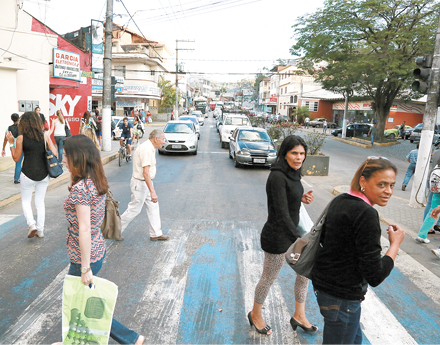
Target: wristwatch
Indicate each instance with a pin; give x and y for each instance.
(84, 270)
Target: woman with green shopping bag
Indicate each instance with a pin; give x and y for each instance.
(85, 209)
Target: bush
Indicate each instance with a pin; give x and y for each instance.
(258, 122)
(287, 128)
(275, 132)
(314, 140)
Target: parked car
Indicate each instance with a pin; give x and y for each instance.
(417, 131)
(408, 132)
(228, 124)
(394, 132)
(252, 146)
(318, 123)
(180, 136)
(217, 112)
(117, 122)
(192, 118)
(200, 117)
(353, 129)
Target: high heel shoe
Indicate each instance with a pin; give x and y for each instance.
(262, 331)
(295, 324)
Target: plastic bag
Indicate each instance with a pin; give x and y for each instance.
(88, 311)
(305, 224)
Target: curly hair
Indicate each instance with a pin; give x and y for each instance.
(31, 126)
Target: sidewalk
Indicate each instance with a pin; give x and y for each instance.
(11, 192)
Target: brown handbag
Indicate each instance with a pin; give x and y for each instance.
(111, 225)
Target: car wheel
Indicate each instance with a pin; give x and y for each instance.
(317, 126)
(392, 136)
(236, 164)
(411, 141)
(230, 155)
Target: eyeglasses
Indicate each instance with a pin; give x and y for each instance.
(370, 158)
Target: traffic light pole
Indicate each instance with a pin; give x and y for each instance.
(422, 168)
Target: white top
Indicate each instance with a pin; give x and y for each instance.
(59, 129)
(144, 155)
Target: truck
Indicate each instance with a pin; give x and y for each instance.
(200, 103)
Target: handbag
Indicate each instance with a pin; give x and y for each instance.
(53, 165)
(111, 226)
(67, 129)
(87, 311)
(302, 253)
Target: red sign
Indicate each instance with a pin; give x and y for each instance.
(273, 100)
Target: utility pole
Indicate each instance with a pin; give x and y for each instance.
(106, 92)
(176, 105)
(344, 121)
(422, 168)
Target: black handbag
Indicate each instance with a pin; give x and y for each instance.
(302, 253)
(67, 129)
(53, 166)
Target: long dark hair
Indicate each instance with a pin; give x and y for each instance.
(84, 162)
(288, 144)
(31, 126)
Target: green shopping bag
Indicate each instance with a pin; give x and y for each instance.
(88, 312)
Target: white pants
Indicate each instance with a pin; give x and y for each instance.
(140, 194)
(27, 188)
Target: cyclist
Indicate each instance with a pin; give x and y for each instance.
(127, 133)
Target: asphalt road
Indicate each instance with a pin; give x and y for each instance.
(197, 287)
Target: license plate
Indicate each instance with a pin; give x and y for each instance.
(176, 146)
(259, 160)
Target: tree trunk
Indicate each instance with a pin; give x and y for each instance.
(382, 116)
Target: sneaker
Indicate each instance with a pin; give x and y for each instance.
(40, 234)
(403, 187)
(16, 181)
(32, 231)
(436, 252)
(160, 238)
(422, 240)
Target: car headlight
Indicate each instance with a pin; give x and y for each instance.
(272, 154)
(243, 152)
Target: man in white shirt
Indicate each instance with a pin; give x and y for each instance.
(142, 188)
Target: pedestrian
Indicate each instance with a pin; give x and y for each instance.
(58, 127)
(126, 133)
(99, 129)
(307, 120)
(350, 258)
(85, 210)
(435, 159)
(136, 130)
(172, 114)
(143, 115)
(372, 133)
(324, 126)
(402, 130)
(87, 122)
(412, 159)
(142, 188)
(149, 117)
(284, 196)
(43, 119)
(13, 129)
(32, 143)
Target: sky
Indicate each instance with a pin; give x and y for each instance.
(230, 36)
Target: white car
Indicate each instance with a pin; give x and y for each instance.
(228, 124)
(199, 116)
(194, 119)
(117, 122)
(180, 136)
(217, 113)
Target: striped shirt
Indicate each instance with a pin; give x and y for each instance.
(82, 194)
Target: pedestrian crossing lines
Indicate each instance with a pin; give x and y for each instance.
(201, 284)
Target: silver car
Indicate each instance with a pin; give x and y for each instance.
(180, 136)
(252, 146)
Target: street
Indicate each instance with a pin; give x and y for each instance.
(198, 287)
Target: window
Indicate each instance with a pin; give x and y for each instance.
(281, 91)
(285, 89)
(313, 106)
(291, 99)
(295, 99)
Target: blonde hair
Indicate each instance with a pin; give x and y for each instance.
(88, 132)
(60, 116)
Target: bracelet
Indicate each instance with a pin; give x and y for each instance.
(12, 145)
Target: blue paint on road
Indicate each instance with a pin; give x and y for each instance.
(14, 224)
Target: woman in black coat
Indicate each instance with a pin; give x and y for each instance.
(284, 196)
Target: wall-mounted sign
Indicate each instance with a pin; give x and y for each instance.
(66, 65)
(97, 46)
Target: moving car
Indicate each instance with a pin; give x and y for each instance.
(180, 136)
(199, 116)
(192, 118)
(252, 146)
(217, 112)
(417, 131)
(228, 124)
(394, 132)
(318, 123)
(354, 129)
(117, 121)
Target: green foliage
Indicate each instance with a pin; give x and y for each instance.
(314, 140)
(367, 47)
(258, 78)
(258, 122)
(286, 129)
(301, 113)
(168, 96)
(274, 132)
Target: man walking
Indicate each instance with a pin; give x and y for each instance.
(412, 159)
(324, 126)
(372, 133)
(142, 188)
(14, 130)
(402, 130)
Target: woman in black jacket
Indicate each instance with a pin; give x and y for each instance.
(350, 256)
(284, 196)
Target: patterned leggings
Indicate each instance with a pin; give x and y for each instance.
(271, 269)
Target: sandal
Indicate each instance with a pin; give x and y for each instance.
(262, 331)
(431, 232)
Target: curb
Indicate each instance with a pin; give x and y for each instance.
(53, 183)
(364, 143)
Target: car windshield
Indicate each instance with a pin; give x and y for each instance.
(178, 128)
(253, 136)
(193, 119)
(236, 121)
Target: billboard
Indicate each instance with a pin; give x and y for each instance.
(97, 29)
(66, 65)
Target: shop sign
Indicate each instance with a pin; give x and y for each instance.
(66, 65)
(273, 100)
(141, 89)
(87, 74)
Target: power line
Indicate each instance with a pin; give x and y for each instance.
(24, 57)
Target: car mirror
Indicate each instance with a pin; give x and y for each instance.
(232, 139)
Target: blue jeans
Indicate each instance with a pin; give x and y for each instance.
(118, 331)
(428, 204)
(409, 173)
(341, 319)
(428, 222)
(18, 168)
(59, 141)
(372, 139)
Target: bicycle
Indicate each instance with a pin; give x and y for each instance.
(123, 152)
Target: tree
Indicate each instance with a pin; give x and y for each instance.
(258, 78)
(168, 95)
(223, 90)
(367, 47)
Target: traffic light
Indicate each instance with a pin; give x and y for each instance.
(113, 89)
(423, 74)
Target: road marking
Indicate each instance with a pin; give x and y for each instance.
(4, 218)
(213, 152)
